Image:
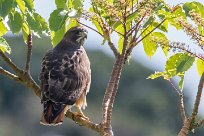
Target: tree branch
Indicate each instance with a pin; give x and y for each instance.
(29, 52)
(181, 101)
(83, 122)
(10, 63)
(198, 97)
(9, 75)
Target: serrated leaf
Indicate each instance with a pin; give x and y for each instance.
(21, 5)
(159, 37)
(29, 4)
(25, 32)
(15, 22)
(57, 19)
(61, 4)
(33, 24)
(200, 66)
(156, 75)
(43, 24)
(178, 63)
(57, 36)
(150, 47)
(3, 29)
(4, 46)
(5, 7)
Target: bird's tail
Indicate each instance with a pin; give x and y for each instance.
(53, 113)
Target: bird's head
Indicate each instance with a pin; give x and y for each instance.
(76, 35)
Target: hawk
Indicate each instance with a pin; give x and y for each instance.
(65, 77)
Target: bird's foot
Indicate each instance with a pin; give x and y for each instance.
(81, 114)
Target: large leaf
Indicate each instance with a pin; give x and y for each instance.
(200, 66)
(15, 22)
(77, 4)
(3, 29)
(21, 5)
(57, 36)
(57, 19)
(159, 37)
(178, 63)
(61, 4)
(33, 24)
(29, 4)
(25, 32)
(150, 47)
(4, 46)
(43, 24)
(5, 7)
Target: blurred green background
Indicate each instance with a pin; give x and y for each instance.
(142, 107)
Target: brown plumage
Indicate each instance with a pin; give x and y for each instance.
(65, 77)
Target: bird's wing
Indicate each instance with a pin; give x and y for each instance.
(64, 77)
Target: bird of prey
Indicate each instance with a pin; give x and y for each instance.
(65, 77)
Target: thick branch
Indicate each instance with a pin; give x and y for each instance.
(29, 52)
(185, 129)
(198, 97)
(112, 47)
(9, 75)
(10, 63)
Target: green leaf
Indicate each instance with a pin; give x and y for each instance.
(148, 22)
(200, 66)
(25, 32)
(33, 24)
(57, 19)
(5, 7)
(29, 4)
(57, 36)
(181, 82)
(156, 75)
(4, 46)
(163, 27)
(43, 24)
(120, 44)
(178, 63)
(159, 37)
(188, 6)
(3, 29)
(15, 22)
(150, 47)
(61, 4)
(21, 5)
(77, 4)
(72, 23)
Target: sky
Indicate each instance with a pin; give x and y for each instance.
(157, 62)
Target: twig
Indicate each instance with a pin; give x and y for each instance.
(10, 63)
(90, 28)
(9, 75)
(150, 31)
(29, 52)
(198, 97)
(201, 122)
(181, 101)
